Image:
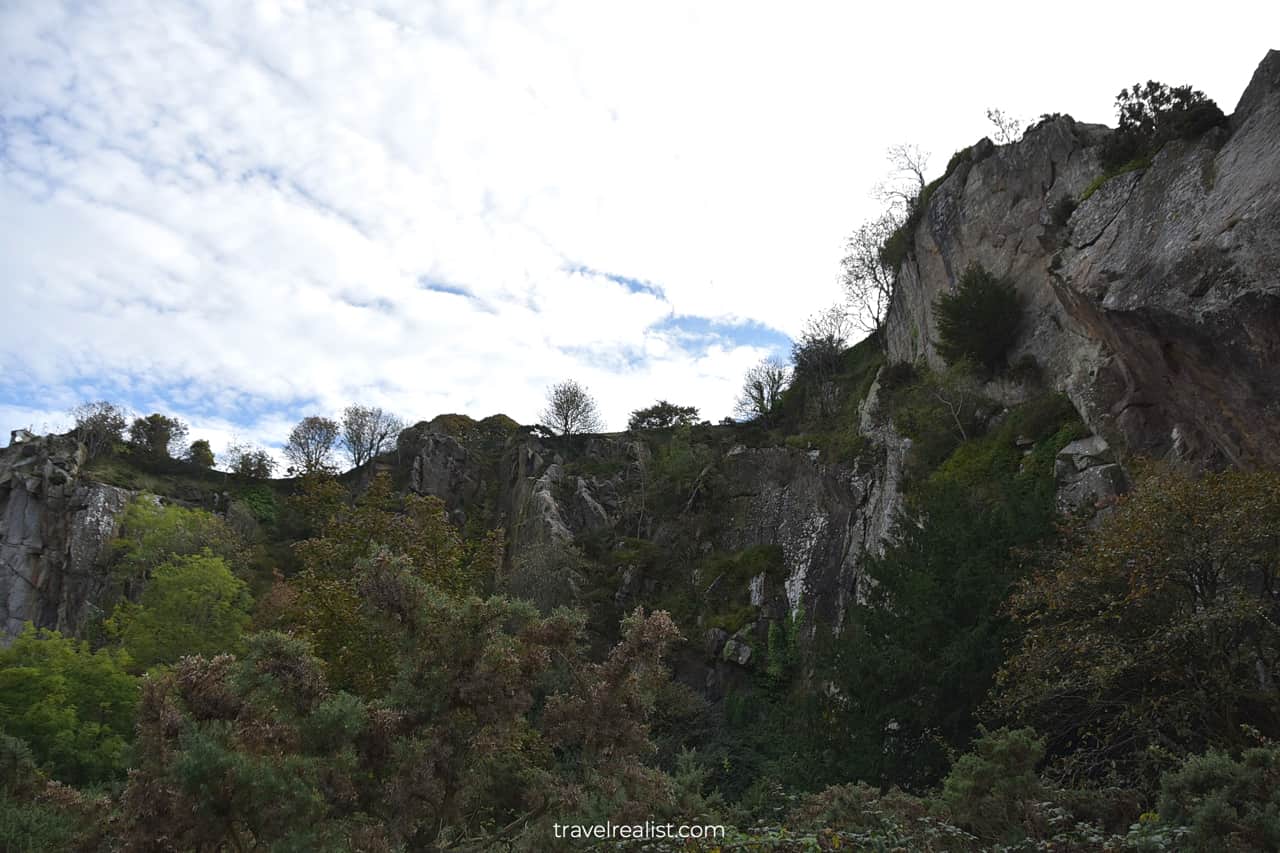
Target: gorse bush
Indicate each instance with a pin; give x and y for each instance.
(979, 320)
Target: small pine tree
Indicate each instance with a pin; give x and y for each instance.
(979, 320)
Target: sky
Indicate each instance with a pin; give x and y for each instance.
(242, 213)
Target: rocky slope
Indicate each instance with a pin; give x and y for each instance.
(1155, 305)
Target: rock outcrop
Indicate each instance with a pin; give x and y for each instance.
(54, 527)
(1154, 304)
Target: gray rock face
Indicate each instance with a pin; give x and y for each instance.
(823, 517)
(1087, 475)
(54, 528)
(1156, 305)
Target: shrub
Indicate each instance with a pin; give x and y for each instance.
(1151, 115)
(192, 605)
(1226, 802)
(987, 789)
(73, 707)
(979, 320)
(663, 415)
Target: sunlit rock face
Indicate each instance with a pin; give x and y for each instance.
(54, 528)
(1154, 304)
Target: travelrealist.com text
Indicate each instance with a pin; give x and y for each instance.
(636, 831)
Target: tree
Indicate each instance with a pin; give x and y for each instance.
(72, 706)
(663, 415)
(310, 444)
(818, 353)
(99, 426)
(192, 605)
(900, 191)
(327, 606)
(867, 278)
(762, 389)
(152, 534)
(979, 320)
(156, 436)
(249, 460)
(1155, 635)
(571, 410)
(200, 453)
(367, 431)
(1008, 128)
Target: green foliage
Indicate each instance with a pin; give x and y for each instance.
(327, 606)
(979, 320)
(1151, 115)
(152, 534)
(937, 411)
(200, 453)
(192, 605)
(1226, 802)
(914, 662)
(823, 399)
(683, 472)
(1114, 171)
(1152, 636)
(73, 707)
(663, 415)
(987, 789)
(155, 437)
(250, 461)
(494, 718)
(99, 427)
(32, 827)
(261, 502)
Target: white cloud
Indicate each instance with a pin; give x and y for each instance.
(229, 210)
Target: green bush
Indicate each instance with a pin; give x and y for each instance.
(1151, 115)
(1226, 802)
(27, 827)
(979, 320)
(73, 707)
(193, 605)
(988, 788)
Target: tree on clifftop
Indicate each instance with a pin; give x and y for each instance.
(155, 436)
(310, 444)
(367, 431)
(571, 410)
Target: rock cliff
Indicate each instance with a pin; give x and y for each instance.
(54, 526)
(1154, 303)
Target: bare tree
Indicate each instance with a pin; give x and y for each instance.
(867, 279)
(762, 389)
(1008, 128)
(901, 189)
(367, 431)
(310, 444)
(571, 410)
(99, 426)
